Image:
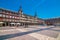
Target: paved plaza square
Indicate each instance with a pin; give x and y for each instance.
(30, 33)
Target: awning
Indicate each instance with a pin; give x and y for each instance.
(17, 23)
(1, 22)
(12, 23)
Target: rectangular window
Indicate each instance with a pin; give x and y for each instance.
(3, 15)
(15, 17)
(7, 13)
(12, 16)
(0, 15)
(7, 16)
(10, 20)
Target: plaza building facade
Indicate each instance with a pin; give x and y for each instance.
(11, 18)
(53, 21)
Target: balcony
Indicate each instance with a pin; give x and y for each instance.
(22, 18)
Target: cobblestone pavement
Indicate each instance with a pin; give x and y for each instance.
(30, 33)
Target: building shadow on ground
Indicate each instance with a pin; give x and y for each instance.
(21, 34)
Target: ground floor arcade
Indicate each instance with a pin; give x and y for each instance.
(25, 24)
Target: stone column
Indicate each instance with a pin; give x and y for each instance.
(8, 24)
(5, 24)
(0, 24)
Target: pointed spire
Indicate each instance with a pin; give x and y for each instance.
(20, 9)
(35, 14)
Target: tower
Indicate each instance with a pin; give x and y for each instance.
(35, 18)
(20, 11)
(35, 15)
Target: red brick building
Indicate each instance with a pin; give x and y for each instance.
(53, 21)
(11, 18)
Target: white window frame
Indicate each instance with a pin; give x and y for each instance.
(0, 15)
(7, 16)
(12, 16)
(4, 15)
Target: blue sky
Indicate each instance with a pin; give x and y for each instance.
(44, 8)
